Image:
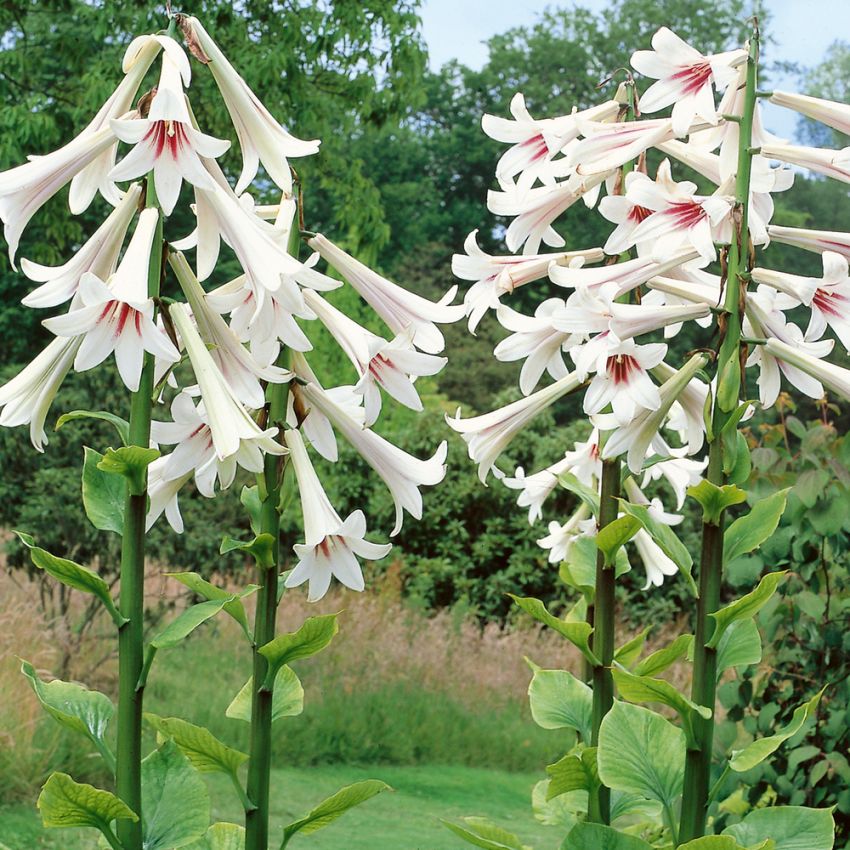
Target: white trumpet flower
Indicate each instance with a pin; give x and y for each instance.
(656, 564)
(398, 308)
(261, 137)
(330, 545)
(834, 378)
(403, 473)
(835, 115)
(97, 256)
(392, 365)
(165, 141)
(162, 496)
(488, 435)
(118, 315)
(27, 397)
(832, 163)
(812, 240)
(233, 431)
(561, 537)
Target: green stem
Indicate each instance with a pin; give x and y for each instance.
(696, 795)
(128, 771)
(259, 763)
(603, 635)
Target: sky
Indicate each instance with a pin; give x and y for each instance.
(802, 29)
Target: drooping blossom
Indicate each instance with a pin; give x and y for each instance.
(403, 473)
(608, 146)
(26, 398)
(97, 256)
(261, 137)
(561, 536)
(117, 315)
(834, 378)
(488, 435)
(162, 496)
(398, 308)
(330, 546)
(812, 240)
(831, 163)
(165, 141)
(679, 472)
(685, 78)
(835, 115)
(233, 431)
(626, 214)
(657, 565)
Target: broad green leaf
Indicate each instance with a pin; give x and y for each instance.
(560, 701)
(595, 836)
(712, 842)
(557, 811)
(760, 749)
(71, 574)
(642, 753)
(739, 646)
(738, 464)
(664, 537)
(615, 535)
(175, 800)
(745, 607)
(790, 828)
(715, 500)
(65, 803)
(187, 621)
(209, 591)
(132, 463)
(250, 498)
(313, 636)
(643, 689)
(630, 651)
(221, 836)
(588, 495)
(103, 495)
(74, 706)
(483, 833)
(625, 805)
(261, 549)
(122, 426)
(748, 532)
(577, 633)
(579, 569)
(206, 753)
(567, 774)
(287, 698)
(658, 661)
(334, 807)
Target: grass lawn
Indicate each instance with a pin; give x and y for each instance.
(407, 819)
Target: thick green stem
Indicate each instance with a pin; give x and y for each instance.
(696, 794)
(259, 764)
(128, 771)
(603, 634)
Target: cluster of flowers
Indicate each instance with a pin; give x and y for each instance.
(635, 400)
(218, 423)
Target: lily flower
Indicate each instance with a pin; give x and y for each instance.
(622, 380)
(832, 163)
(583, 462)
(828, 297)
(261, 137)
(26, 398)
(25, 189)
(238, 367)
(398, 308)
(685, 78)
(97, 256)
(391, 365)
(686, 416)
(626, 214)
(403, 473)
(812, 240)
(488, 435)
(635, 437)
(535, 340)
(534, 142)
(679, 472)
(835, 115)
(561, 537)
(656, 564)
(833, 377)
(608, 146)
(233, 431)
(497, 276)
(162, 496)
(138, 57)
(330, 545)
(535, 209)
(117, 315)
(165, 141)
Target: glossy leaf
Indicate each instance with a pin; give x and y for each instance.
(313, 636)
(567, 774)
(789, 827)
(187, 621)
(615, 535)
(660, 660)
(130, 462)
(175, 800)
(588, 495)
(334, 807)
(560, 701)
(287, 697)
(630, 651)
(103, 495)
(261, 549)
(715, 500)
(642, 753)
(122, 426)
(206, 753)
(482, 833)
(66, 803)
(209, 591)
(577, 633)
(739, 646)
(596, 836)
(748, 532)
(745, 607)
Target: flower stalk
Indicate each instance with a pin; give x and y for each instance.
(695, 799)
(128, 778)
